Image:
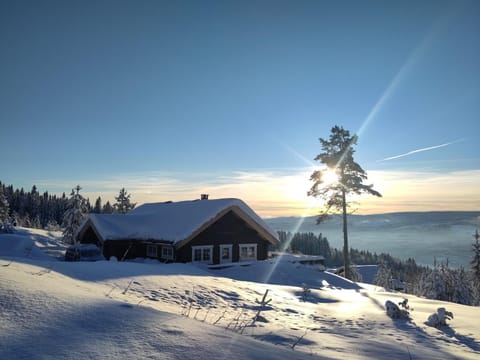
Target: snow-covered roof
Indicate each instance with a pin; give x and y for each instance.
(174, 221)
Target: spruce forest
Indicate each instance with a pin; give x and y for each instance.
(36, 210)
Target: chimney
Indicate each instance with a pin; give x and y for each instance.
(203, 196)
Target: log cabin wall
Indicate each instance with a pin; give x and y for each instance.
(229, 229)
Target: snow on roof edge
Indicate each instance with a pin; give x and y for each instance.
(179, 220)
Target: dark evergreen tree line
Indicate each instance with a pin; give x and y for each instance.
(305, 243)
(311, 244)
(32, 209)
(39, 210)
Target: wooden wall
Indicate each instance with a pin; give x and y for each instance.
(89, 237)
(230, 229)
(118, 248)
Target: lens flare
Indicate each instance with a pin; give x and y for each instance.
(329, 177)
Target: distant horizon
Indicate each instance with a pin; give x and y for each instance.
(386, 213)
(265, 210)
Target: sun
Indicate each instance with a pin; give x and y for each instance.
(329, 177)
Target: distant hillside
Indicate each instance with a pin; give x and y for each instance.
(420, 235)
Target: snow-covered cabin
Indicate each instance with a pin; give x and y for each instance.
(213, 231)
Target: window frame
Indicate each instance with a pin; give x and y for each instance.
(150, 253)
(230, 249)
(249, 245)
(202, 248)
(167, 256)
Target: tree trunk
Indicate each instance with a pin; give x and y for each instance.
(346, 257)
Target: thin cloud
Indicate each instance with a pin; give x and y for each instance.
(420, 150)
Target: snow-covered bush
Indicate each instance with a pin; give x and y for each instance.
(404, 305)
(6, 228)
(393, 310)
(439, 318)
(52, 225)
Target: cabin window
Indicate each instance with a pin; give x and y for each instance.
(202, 254)
(167, 252)
(248, 252)
(152, 251)
(225, 253)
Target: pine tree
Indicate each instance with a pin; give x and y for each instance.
(337, 157)
(462, 289)
(475, 262)
(107, 208)
(45, 213)
(33, 207)
(443, 283)
(74, 214)
(97, 209)
(475, 289)
(123, 204)
(384, 276)
(431, 285)
(475, 269)
(4, 207)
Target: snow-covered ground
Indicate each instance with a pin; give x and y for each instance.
(55, 309)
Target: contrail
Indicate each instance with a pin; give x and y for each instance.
(420, 150)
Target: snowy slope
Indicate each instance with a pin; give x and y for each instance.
(47, 315)
(53, 309)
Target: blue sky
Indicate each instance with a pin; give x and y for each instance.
(174, 98)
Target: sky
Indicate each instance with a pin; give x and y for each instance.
(171, 99)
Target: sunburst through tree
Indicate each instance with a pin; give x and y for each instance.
(340, 177)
